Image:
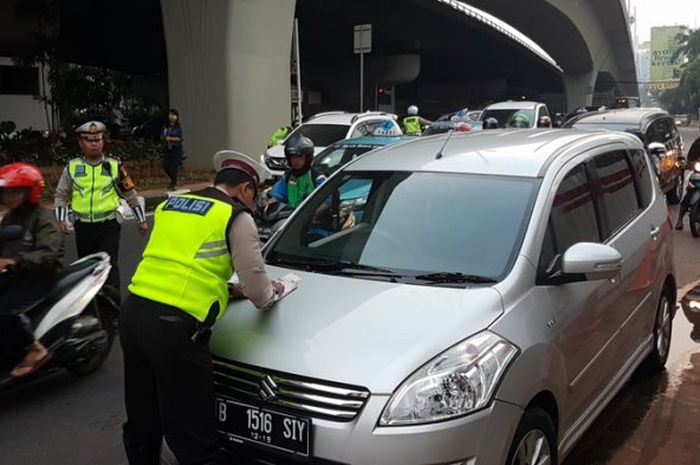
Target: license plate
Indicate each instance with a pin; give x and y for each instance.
(240, 422)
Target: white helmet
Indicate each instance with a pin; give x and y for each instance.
(412, 110)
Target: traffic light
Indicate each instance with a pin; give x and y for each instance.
(383, 95)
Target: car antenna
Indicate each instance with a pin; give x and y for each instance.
(439, 154)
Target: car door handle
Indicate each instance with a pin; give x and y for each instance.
(655, 232)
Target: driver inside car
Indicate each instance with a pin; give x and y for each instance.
(29, 264)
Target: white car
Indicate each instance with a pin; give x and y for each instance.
(326, 128)
(504, 111)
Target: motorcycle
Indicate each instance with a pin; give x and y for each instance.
(694, 206)
(271, 218)
(75, 320)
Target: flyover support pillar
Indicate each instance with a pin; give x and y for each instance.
(579, 89)
(228, 72)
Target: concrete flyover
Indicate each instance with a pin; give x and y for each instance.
(590, 40)
(228, 61)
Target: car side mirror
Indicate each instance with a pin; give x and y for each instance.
(656, 148)
(591, 261)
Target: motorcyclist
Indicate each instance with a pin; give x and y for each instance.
(29, 265)
(692, 158)
(279, 135)
(413, 124)
(491, 123)
(300, 179)
(518, 120)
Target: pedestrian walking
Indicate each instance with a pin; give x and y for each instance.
(172, 136)
(179, 290)
(91, 185)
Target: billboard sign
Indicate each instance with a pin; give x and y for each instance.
(665, 72)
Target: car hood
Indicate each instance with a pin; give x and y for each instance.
(277, 151)
(355, 331)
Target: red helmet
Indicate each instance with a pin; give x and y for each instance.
(463, 127)
(23, 175)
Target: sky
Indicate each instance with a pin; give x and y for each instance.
(664, 13)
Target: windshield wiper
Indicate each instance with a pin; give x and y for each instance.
(337, 266)
(454, 277)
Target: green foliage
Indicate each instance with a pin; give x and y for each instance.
(686, 98)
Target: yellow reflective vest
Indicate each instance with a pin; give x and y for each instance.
(187, 261)
(411, 125)
(94, 196)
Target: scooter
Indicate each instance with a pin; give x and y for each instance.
(75, 320)
(694, 187)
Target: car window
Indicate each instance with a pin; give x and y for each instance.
(322, 135)
(503, 116)
(541, 112)
(618, 192)
(336, 156)
(641, 169)
(572, 218)
(656, 132)
(410, 223)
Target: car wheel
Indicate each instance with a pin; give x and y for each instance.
(675, 195)
(663, 325)
(535, 440)
(694, 219)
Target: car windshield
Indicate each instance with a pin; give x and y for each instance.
(409, 227)
(322, 135)
(336, 156)
(502, 116)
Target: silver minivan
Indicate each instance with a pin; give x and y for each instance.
(463, 299)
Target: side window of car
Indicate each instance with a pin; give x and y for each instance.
(641, 169)
(655, 132)
(373, 125)
(618, 193)
(572, 219)
(360, 130)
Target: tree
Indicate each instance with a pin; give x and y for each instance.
(686, 98)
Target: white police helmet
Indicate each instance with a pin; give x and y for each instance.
(412, 110)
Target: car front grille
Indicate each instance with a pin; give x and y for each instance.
(295, 394)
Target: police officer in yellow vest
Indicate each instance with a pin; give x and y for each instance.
(92, 185)
(177, 293)
(413, 124)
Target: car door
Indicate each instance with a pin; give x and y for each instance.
(580, 308)
(631, 228)
(659, 131)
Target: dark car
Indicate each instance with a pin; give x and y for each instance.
(657, 130)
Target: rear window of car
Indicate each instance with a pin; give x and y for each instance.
(505, 114)
(322, 135)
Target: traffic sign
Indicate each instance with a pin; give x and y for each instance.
(363, 38)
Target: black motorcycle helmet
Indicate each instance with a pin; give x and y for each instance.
(491, 123)
(299, 146)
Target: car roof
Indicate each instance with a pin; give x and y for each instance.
(373, 140)
(343, 118)
(619, 116)
(508, 152)
(512, 104)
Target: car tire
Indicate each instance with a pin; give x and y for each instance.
(674, 196)
(534, 438)
(663, 325)
(694, 219)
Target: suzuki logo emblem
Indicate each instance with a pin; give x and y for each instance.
(268, 388)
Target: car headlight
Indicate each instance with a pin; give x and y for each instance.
(459, 381)
(696, 166)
